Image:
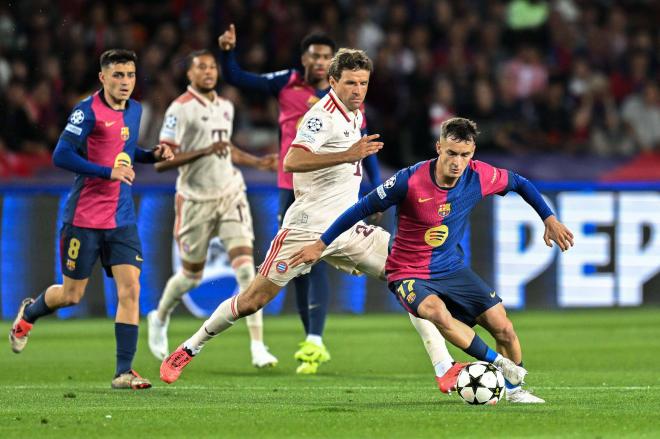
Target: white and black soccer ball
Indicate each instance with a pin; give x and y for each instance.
(480, 383)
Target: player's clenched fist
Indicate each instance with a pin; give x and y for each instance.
(124, 174)
(364, 147)
(227, 41)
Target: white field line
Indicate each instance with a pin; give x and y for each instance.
(82, 387)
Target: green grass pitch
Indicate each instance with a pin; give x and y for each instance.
(597, 369)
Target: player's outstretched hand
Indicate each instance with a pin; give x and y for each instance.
(227, 41)
(268, 162)
(163, 152)
(308, 254)
(363, 148)
(124, 174)
(557, 232)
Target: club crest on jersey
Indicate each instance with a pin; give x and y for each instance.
(444, 209)
(411, 297)
(281, 266)
(314, 125)
(70, 264)
(436, 236)
(124, 134)
(122, 159)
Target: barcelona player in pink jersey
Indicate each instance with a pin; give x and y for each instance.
(99, 145)
(425, 268)
(296, 92)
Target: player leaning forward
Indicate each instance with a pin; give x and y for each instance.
(99, 144)
(210, 198)
(425, 269)
(325, 158)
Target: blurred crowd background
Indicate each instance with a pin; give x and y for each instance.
(565, 78)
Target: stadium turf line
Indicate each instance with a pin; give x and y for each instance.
(597, 369)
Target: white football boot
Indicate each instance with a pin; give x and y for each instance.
(522, 396)
(511, 371)
(157, 335)
(262, 358)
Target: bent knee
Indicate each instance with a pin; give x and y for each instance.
(72, 296)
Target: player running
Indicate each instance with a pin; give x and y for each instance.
(210, 199)
(296, 93)
(425, 269)
(325, 157)
(99, 144)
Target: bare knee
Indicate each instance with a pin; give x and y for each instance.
(72, 294)
(250, 303)
(128, 293)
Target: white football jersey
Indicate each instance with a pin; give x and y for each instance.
(324, 194)
(193, 122)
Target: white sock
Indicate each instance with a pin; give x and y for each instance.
(434, 343)
(222, 318)
(257, 345)
(244, 269)
(442, 367)
(177, 285)
(314, 338)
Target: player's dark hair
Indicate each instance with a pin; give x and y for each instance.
(349, 59)
(317, 38)
(459, 129)
(192, 55)
(117, 56)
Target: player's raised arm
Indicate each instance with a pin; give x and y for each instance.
(299, 159)
(232, 72)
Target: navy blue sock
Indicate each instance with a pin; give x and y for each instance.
(319, 297)
(302, 294)
(480, 350)
(126, 336)
(37, 309)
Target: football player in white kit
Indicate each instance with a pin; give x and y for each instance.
(210, 198)
(325, 158)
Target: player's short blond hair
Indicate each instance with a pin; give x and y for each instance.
(349, 59)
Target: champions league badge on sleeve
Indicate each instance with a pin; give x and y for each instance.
(314, 125)
(218, 282)
(77, 117)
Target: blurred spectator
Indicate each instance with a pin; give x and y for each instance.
(641, 113)
(526, 72)
(18, 125)
(554, 119)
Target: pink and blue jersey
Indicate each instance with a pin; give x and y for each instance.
(295, 97)
(95, 140)
(431, 220)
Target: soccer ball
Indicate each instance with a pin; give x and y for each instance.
(480, 383)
